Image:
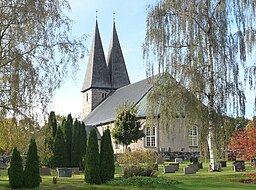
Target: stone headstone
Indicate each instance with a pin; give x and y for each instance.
(178, 160)
(196, 165)
(160, 160)
(170, 169)
(239, 166)
(190, 169)
(253, 162)
(3, 166)
(64, 172)
(75, 170)
(45, 171)
(155, 167)
(175, 166)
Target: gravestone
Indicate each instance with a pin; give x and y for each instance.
(253, 162)
(190, 169)
(75, 170)
(170, 169)
(155, 167)
(196, 165)
(239, 166)
(45, 171)
(178, 160)
(175, 166)
(160, 160)
(3, 166)
(64, 172)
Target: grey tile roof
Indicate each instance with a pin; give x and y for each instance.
(97, 74)
(133, 93)
(116, 64)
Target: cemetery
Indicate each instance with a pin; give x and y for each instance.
(201, 178)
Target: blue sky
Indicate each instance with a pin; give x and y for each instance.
(130, 19)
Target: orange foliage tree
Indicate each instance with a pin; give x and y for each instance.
(243, 141)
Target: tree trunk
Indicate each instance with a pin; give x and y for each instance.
(213, 160)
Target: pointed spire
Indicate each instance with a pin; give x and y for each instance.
(97, 75)
(115, 61)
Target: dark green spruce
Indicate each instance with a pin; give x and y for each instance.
(31, 173)
(92, 161)
(59, 158)
(16, 170)
(107, 166)
(67, 130)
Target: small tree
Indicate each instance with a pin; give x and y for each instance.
(59, 158)
(243, 141)
(127, 125)
(107, 166)
(16, 170)
(31, 173)
(92, 161)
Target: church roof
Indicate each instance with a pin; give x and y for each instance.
(97, 74)
(133, 93)
(115, 62)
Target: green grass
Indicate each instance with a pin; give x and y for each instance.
(203, 180)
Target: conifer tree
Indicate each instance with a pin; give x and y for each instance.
(59, 158)
(51, 129)
(107, 166)
(67, 130)
(31, 173)
(92, 161)
(76, 147)
(16, 170)
(83, 142)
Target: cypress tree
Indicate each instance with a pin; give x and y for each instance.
(31, 173)
(16, 170)
(76, 153)
(67, 130)
(107, 165)
(49, 138)
(83, 143)
(92, 161)
(59, 158)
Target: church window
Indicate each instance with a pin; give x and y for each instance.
(193, 136)
(150, 138)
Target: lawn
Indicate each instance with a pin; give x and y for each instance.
(227, 179)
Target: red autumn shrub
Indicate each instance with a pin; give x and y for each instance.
(243, 141)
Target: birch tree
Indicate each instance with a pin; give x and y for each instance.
(205, 46)
(36, 53)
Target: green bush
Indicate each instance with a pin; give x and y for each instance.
(131, 171)
(145, 182)
(16, 170)
(138, 158)
(31, 175)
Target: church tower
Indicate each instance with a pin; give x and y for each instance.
(116, 65)
(97, 83)
(102, 77)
